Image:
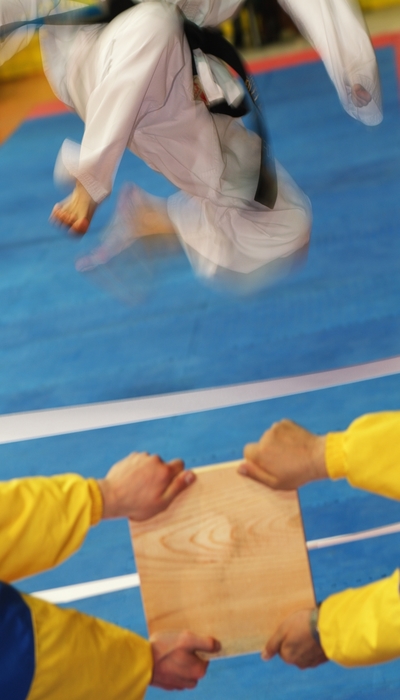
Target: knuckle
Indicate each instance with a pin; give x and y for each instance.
(274, 430)
(288, 654)
(185, 638)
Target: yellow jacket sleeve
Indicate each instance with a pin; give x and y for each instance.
(43, 521)
(361, 626)
(84, 658)
(367, 454)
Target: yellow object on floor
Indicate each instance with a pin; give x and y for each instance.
(25, 62)
(29, 60)
(378, 4)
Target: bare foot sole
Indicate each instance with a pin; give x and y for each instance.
(76, 211)
(137, 216)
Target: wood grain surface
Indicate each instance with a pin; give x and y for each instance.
(227, 559)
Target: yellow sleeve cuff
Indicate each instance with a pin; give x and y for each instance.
(361, 626)
(97, 501)
(335, 456)
(368, 453)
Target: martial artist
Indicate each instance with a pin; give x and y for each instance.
(360, 626)
(132, 83)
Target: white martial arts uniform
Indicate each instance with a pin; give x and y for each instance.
(131, 82)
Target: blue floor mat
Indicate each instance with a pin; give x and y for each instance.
(63, 341)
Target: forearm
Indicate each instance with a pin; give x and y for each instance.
(337, 31)
(43, 521)
(367, 454)
(361, 627)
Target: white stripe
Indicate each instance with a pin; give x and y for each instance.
(61, 421)
(355, 537)
(68, 594)
(79, 591)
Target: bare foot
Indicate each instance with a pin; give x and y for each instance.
(150, 214)
(76, 211)
(138, 215)
(360, 96)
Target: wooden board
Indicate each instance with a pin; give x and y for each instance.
(227, 559)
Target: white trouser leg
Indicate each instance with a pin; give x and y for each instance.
(243, 239)
(132, 82)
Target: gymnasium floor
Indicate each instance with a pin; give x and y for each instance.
(65, 342)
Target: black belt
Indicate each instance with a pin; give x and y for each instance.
(209, 42)
(214, 44)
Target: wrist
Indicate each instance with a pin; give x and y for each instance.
(314, 625)
(319, 458)
(96, 497)
(108, 496)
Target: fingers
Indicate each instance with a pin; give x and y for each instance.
(176, 661)
(274, 644)
(251, 469)
(169, 469)
(251, 452)
(192, 642)
(177, 480)
(179, 484)
(177, 465)
(257, 473)
(183, 685)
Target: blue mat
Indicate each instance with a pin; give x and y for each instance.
(64, 342)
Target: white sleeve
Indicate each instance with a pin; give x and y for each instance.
(336, 29)
(131, 67)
